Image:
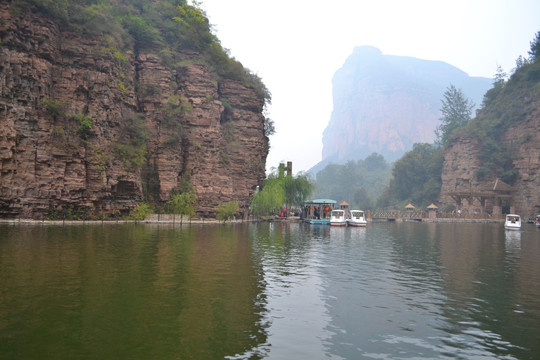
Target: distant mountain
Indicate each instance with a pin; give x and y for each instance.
(385, 104)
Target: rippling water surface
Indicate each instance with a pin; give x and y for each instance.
(275, 291)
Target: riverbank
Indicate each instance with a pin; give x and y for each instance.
(177, 221)
(427, 220)
(187, 221)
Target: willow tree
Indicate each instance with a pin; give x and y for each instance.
(297, 189)
(270, 199)
(279, 191)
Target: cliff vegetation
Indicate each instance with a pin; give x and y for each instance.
(163, 27)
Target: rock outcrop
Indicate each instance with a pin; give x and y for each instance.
(86, 128)
(514, 115)
(386, 103)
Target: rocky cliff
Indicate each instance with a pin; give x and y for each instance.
(386, 103)
(503, 142)
(86, 128)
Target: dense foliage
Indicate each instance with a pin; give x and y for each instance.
(416, 177)
(227, 210)
(360, 183)
(164, 27)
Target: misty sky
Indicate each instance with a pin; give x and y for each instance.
(296, 46)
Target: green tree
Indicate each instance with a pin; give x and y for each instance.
(268, 200)
(498, 84)
(296, 189)
(456, 112)
(182, 203)
(195, 24)
(534, 53)
(145, 36)
(279, 190)
(416, 177)
(500, 77)
(140, 212)
(227, 210)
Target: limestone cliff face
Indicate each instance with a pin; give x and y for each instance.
(83, 127)
(386, 103)
(519, 105)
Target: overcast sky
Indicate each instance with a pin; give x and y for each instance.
(296, 46)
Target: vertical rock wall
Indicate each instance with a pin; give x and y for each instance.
(521, 140)
(151, 126)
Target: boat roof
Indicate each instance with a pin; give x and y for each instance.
(321, 201)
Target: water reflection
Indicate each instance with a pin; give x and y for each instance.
(135, 292)
(513, 241)
(277, 291)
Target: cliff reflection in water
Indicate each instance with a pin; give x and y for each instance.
(137, 292)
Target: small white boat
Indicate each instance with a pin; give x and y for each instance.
(538, 221)
(337, 218)
(358, 218)
(512, 222)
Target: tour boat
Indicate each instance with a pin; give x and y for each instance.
(357, 219)
(337, 218)
(537, 220)
(513, 222)
(317, 212)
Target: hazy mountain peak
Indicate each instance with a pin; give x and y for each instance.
(385, 103)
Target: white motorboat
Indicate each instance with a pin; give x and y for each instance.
(338, 218)
(538, 221)
(512, 222)
(358, 218)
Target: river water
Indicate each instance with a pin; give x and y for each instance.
(269, 291)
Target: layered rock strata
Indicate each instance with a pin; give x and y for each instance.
(521, 140)
(86, 128)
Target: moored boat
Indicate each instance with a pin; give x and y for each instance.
(337, 218)
(317, 212)
(512, 222)
(538, 221)
(358, 218)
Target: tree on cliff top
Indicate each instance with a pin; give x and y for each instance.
(164, 27)
(534, 53)
(456, 112)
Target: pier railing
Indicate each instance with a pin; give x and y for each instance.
(417, 215)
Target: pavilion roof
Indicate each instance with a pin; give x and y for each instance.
(501, 186)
